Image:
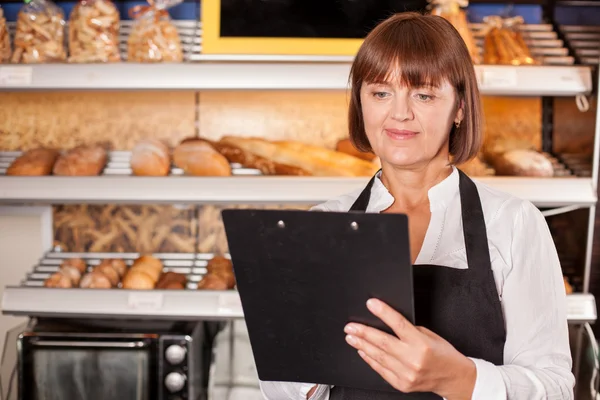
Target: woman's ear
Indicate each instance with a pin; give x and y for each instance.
(460, 112)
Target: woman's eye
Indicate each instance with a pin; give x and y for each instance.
(424, 97)
(380, 95)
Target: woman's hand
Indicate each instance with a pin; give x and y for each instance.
(415, 359)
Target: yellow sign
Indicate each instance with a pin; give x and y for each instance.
(213, 43)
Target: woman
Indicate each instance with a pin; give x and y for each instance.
(489, 297)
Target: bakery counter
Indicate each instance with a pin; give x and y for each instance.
(199, 297)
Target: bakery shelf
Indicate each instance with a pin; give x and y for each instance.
(32, 299)
(544, 192)
(271, 75)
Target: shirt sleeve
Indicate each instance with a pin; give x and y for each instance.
(292, 391)
(537, 356)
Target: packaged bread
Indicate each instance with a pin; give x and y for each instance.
(153, 37)
(453, 11)
(198, 157)
(150, 157)
(504, 43)
(40, 34)
(346, 146)
(5, 49)
(35, 162)
(94, 32)
(317, 161)
(81, 161)
(522, 163)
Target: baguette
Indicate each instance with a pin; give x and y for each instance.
(246, 159)
(315, 160)
(36, 162)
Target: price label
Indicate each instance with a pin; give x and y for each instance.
(16, 76)
(229, 303)
(145, 301)
(500, 77)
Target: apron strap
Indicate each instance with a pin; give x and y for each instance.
(362, 201)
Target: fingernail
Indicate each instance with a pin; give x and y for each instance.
(350, 329)
(351, 339)
(373, 305)
(361, 353)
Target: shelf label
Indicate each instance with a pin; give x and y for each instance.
(16, 76)
(499, 77)
(229, 303)
(145, 301)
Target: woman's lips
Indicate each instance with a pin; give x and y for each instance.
(400, 134)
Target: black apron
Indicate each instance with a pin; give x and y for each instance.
(460, 305)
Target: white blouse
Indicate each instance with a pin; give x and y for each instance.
(537, 356)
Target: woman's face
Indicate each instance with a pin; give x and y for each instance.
(409, 127)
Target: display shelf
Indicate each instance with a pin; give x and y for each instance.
(32, 299)
(271, 75)
(543, 192)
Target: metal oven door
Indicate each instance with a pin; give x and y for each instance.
(91, 367)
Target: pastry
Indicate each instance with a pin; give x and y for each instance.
(346, 146)
(58, 280)
(138, 280)
(198, 157)
(36, 162)
(117, 264)
(81, 161)
(95, 280)
(150, 157)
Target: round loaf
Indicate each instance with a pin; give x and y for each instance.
(81, 161)
(58, 280)
(199, 158)
(523, 163)
(138, 280)
(36, 162)
(212, 282)
(95, 280)
(150, 157)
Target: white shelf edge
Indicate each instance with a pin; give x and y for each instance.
(544, 192)
(270, 74)
(171, 304)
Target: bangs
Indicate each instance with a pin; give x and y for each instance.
(409, 53)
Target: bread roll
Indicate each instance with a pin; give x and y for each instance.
(150, 265)
(73, 273)
(218, 263)
(346, 146)
(150, 157)
(117, 264)
(172, 285)
(522, 163)
(198, 157)
(138, 280)
(212, 282)
(81, 161)
(109, 272)
(58, 280)
(37, 162)
(95, 280)
(172, 280)
(78, 263)
(227, 276)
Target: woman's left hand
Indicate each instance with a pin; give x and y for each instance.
(415, 359)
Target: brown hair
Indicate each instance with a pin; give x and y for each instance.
(426, 49)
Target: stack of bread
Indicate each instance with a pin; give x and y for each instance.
(219, 275)
(85, 160)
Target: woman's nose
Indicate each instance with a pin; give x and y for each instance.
(402, 110)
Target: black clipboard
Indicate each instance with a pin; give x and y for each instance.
(302, 276)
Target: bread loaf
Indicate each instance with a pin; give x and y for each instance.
(150, 157)
(198, 157)
(73, 273)
(138, 280)
(36, 162)
(246, 159)
(144, 273)
(58, 280)
(117, 264)
(522, 163)
(346, 146)
(95, 280)
(110, 273)
(81, 161)
(172, 280)
(77, 263)
(315, 160)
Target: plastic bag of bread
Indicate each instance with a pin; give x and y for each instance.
(40, 34)
(94, 32)
(5, 50)
(153, 37)
(453, 11)
(504, 43)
